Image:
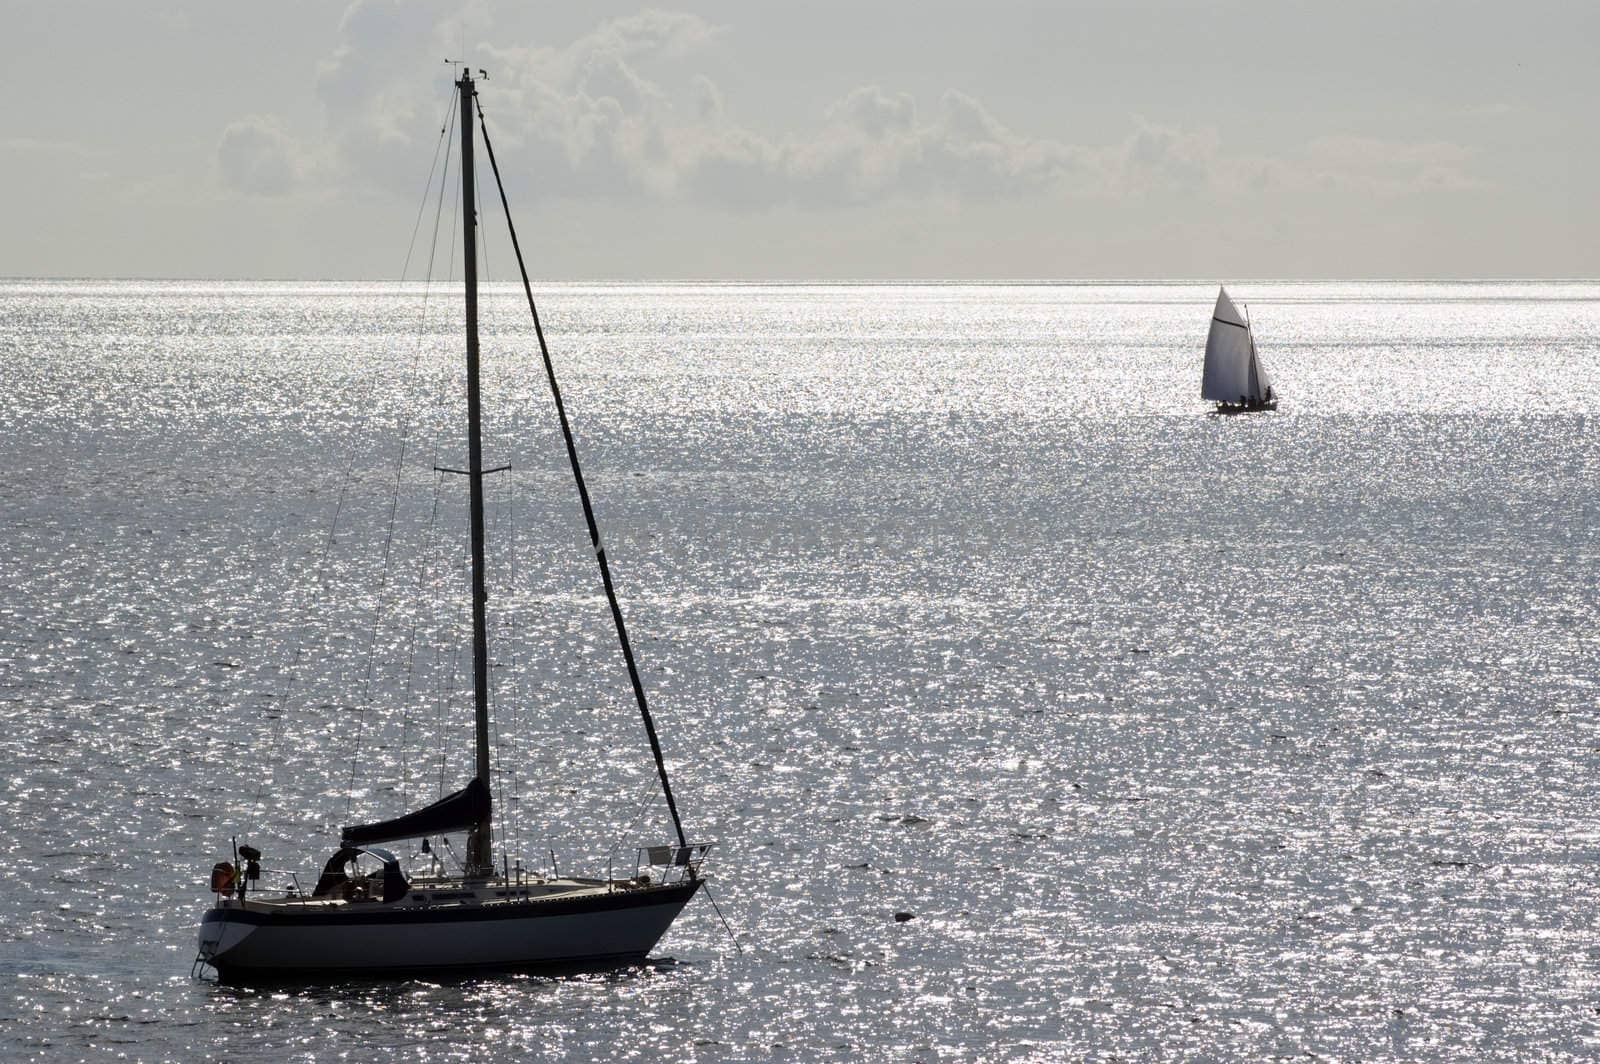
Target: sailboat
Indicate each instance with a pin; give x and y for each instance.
(364, 915)
(1234, 377)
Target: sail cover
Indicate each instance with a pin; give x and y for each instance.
(1233, 373)
(466, 808)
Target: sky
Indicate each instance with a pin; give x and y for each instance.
(870, 140)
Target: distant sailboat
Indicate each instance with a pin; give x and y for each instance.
(1234, 377)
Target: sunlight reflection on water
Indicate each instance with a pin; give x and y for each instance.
(1177, 734)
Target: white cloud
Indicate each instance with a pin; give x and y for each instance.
(1155, 156)
(876, 146)
(588, 121)
(256, 156)
(1388, 168)
(620, 112)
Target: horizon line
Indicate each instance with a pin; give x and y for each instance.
(811, 282)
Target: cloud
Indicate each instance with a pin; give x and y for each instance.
(875, 112)
(621, 112)
(708, 102)
(669, 33)
(1155, 156)
(589, 121)
(255, 156)
(876, 146)
(1388, 168)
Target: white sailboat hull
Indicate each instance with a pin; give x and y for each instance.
(592, 930)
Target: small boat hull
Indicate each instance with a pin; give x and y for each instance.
(1247, 408)
(594, 930)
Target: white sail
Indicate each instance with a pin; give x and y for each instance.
(1263, 382)
(1233, 373)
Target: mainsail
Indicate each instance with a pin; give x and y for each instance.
(466, 808)
(1233, 372)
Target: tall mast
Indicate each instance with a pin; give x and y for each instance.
(479, 858)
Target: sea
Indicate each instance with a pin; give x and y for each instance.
(1034, 710)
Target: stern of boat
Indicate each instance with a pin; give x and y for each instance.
(219, 936)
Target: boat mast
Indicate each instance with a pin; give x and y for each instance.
(1255, 375)
(479, 858)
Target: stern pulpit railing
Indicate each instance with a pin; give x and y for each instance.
(677, 863)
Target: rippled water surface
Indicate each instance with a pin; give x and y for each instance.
(1179, 735)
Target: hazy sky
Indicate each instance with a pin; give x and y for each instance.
(833, 140)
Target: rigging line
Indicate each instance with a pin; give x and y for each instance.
(383, 591)
(718, 909)
(518, 675)
(583, 495)
(279, 728)
(433, 250)
(275, 745)
(638, 813)
(411, 649)
(433, 243)
(430, 532)
(497, 770)
(455, 213)
(378, 609)
(320, 574)
(495, 730)
(438, 210)
(461, 864)
(292, 670)
(447, 644)
(444, 127)
(448, 690)
(506, 699)
(443, 646)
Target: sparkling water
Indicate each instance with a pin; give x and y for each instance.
(1177, 735)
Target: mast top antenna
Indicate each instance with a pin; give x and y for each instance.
(465, 69)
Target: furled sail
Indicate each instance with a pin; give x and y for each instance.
(465, 809)
(1233, 373)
